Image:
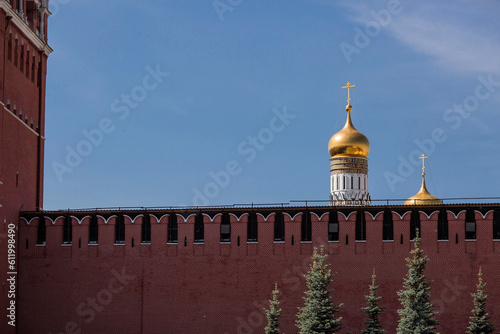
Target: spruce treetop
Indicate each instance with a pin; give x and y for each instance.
(417, 314)
(479, 320)
(372, 310)
(318, 314)
(273, 314)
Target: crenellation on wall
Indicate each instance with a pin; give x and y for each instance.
(374, 238)
(265, 244)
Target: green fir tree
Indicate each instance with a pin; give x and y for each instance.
(417, 314)
(479, 321)
(318, 314)
(372, 310)
(273, 314)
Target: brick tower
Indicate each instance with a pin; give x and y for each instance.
(23, 60)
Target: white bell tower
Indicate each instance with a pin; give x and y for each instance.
(349, 151)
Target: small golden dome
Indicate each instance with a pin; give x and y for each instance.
(349, 141)
(423, 197)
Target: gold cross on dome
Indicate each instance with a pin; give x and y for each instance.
(423, 157)
(349, 86)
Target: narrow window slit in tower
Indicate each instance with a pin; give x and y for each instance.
(28, 63)
(21, 64)
(16, 52)
(33, 68)
(9, 55)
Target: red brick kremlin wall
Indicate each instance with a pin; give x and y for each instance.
(214, 287)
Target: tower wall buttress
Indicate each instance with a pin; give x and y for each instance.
(23, 63)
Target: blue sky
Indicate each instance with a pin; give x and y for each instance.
(166, 103)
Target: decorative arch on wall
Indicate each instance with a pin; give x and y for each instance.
(487, 213)
(212, 218)
(320, 218)
(106, 220)
(292, 218)
(28, 222)
(374, 217)
(402, 216)
(187, 218)
(133, 220)
(264, 217)
(458, 214)
(238, 218)
(159, 219)
(430, 214)
(349, 215)
(80, 220)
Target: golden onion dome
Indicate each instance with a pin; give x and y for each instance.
(349, 141)
(423, 197)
